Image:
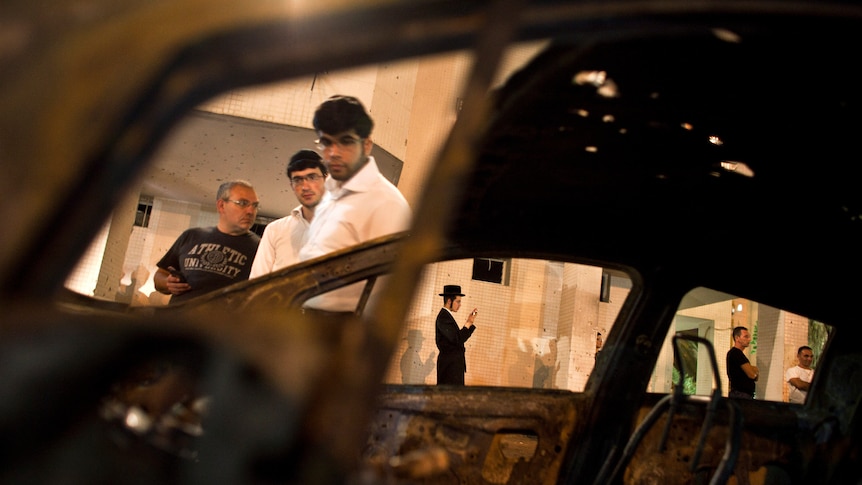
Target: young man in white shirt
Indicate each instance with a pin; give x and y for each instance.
(283, 238)
(361, 204)
(799, 376)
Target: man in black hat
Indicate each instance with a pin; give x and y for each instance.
(450, 338)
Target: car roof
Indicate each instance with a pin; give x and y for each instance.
(714, 157)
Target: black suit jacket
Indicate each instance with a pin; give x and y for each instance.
(450, 338)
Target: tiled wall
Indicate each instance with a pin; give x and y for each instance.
(83, 277)
(537, 331)
(131, 265)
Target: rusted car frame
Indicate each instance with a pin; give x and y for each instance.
(90, 91)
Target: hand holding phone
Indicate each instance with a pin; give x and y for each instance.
(177, 273)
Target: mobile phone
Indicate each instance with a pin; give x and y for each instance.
(179, 274)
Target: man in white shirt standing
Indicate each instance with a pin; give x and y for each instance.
(283, 238)
(799, 377)
(361, 204)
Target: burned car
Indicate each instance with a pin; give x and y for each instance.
(657, 174)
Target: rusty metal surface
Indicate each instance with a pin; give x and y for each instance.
(485, 435)
(773, 446)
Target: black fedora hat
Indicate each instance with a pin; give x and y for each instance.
(451, 290)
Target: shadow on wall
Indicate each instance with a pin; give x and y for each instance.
(132, 293)
(546, 365)
(415, 369)
(521, 370)
(536, 363)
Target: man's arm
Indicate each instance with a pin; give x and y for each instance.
(472, 318)
(751, 371)
(160, 281)
(264, 259)
(168, 284)
(391, 215)
(799, 383)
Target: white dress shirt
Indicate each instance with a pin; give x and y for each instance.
(280, 243)
(363, 208)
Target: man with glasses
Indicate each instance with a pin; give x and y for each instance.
(282, 238)
(204, 259)
(361, 204)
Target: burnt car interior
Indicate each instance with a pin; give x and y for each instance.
(658, 174)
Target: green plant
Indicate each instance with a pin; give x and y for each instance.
(689, 386)
(818, 335)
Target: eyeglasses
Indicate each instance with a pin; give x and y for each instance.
(244, 203)
(344, 142)
(312, 177)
